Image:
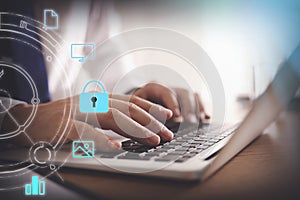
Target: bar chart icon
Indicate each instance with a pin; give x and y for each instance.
(36, 187)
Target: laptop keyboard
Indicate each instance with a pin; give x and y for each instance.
(186, 144)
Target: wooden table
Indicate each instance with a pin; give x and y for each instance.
(267, 169)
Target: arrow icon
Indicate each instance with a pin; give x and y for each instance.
(1, 73)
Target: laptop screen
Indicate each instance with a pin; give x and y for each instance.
(265, 110)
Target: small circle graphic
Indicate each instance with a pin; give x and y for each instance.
(42, 154)
(35, 101)
(49, 58)
(52, 167)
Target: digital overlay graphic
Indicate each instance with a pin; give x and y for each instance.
(36, 187)
(22, 31)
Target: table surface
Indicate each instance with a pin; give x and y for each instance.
(267, 169)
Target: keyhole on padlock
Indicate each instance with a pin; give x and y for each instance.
(94, 99)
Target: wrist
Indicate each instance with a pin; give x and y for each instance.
(15, 116)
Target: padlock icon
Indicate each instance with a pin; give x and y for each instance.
(93, 102)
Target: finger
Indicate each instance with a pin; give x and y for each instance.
(156, 110)
(201, 114)
(187, 105)
(118, 122)
(83, 131)
(169, 99)
(157, 92)
(142, 117)
(123, 125)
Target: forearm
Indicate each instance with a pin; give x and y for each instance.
(6, 104)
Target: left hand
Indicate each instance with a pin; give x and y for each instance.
(183, 103)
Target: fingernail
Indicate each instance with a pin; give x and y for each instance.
(167, 111)
(168, 135)
(191, 118)
(154, 140)
(203, 116)
(177, 112)
(114, 145)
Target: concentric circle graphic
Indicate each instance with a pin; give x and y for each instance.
(20, 128)
(42, 154)
(159, 40)
(23, 31)
(4, 107)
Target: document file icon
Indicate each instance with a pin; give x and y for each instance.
(50, 19)
(83, 149)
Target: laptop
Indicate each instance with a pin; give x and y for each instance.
(197, 151)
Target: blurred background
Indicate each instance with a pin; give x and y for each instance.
(246, 40)
(237, 35)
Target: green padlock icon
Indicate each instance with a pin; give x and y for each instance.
(93, 102)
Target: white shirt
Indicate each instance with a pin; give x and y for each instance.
(83, 22)
(80, 22)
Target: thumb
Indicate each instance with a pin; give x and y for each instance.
(83, 131)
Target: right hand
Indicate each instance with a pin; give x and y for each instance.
(130, 112)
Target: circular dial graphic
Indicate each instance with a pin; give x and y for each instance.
(20, 148)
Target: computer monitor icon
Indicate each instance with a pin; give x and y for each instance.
(82, 51)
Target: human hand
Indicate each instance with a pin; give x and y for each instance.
(184, 104)
(129, 116)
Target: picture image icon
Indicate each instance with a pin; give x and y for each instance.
(83, 149)
(36, 187)
(50, 19)
(82, 51)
